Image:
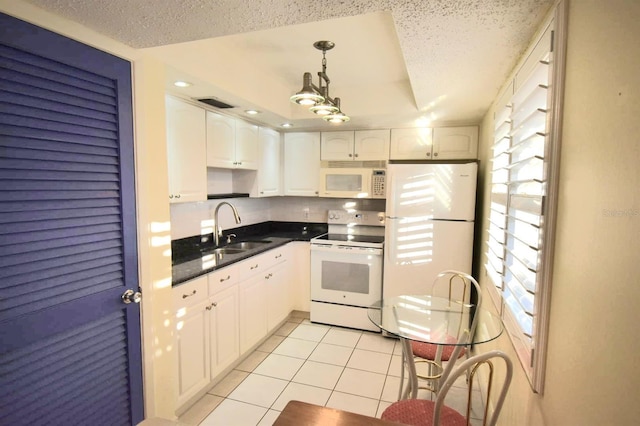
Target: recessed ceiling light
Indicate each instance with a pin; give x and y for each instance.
(181, 83)
(251, 111)
(287, 125)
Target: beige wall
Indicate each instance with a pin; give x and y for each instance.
(592, 375)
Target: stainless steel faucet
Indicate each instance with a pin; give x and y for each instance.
(218, 230)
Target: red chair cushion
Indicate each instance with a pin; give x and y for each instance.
(419, 412)
(428, 350)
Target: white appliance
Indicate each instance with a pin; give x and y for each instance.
(346, 269)
(430, 211)
(352, 182)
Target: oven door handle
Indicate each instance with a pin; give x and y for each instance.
(321, 246)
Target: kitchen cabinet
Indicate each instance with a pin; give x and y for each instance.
(301, 164)
(359, 145)
(265, 295)
(440, 143)
(300, 270)
(267, 180)
(192, 338)
(279, 288)
(269, 176)
(223, 318)
(186, 151)
(231, 143)
(411, 144)
(224, 314)
(455, 143)
(253, 312)
(224, 331)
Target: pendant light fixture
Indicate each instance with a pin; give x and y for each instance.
(317, 97)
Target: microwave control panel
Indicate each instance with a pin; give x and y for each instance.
(378, 184)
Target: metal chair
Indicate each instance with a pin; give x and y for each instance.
(434, 355)
(422, 412)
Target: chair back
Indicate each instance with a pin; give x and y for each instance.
(493, 384)
(456, 282)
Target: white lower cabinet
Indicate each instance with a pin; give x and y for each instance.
(279, 294)
(222, 315)
(192, 338)
(265, 295)
(253, 312)
(223, 329)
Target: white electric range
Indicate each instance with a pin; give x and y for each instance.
(346, 269)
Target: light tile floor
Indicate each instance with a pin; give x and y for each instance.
(351, 370)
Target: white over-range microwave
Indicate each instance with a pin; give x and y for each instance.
(352, 183)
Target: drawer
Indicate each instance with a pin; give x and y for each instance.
(263, 261)
(279, 255)
(223, 278)
(253, 265)
(190, 293)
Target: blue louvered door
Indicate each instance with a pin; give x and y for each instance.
(69, 346)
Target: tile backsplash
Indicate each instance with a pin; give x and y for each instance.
(189, 219)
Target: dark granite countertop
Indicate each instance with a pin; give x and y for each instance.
(193, 256)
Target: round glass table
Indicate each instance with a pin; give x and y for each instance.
(434, 320)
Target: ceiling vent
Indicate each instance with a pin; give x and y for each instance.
(215, 103)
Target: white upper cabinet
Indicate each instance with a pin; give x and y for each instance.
(269, 176)
(371, 145)
(186, 151)
(246, 145)
(336, 146)
(221, 139)
(231, 143)
(302, 164)
(361, 145)
(440, 143)
(455, 143)
(410, 144)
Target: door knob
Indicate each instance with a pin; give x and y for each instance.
(130, 296)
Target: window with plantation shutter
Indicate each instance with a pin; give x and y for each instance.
(523, 191)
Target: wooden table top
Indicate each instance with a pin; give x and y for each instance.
(297, 413)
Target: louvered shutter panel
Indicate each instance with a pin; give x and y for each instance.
(67, 229)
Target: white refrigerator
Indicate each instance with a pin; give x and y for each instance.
(430, 211)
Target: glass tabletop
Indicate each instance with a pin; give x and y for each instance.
(431, 319)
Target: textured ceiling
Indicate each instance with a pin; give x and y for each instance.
(395, 60)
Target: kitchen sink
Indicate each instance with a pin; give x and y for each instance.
(246, 245)
(222, 251)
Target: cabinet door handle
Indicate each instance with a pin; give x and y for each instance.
(170, 196)
(178, 196)
(266, 277)
(356, 155)
(184, 296)
(279, 256)
(435, 154)
(225, 279)
(254, 267)
(211, 306)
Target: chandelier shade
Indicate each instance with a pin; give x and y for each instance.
(308, 95)
(337, 116)
(317, 97)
